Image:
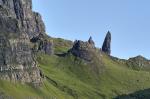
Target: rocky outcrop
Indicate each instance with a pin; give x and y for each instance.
(83, 50)
(42, 44)
(87, 52)
(139, 63)
(18, 26)
(107, 44)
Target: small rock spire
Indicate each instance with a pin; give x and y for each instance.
(90, 41)
(107, 44)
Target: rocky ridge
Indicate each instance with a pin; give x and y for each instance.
(137, 63)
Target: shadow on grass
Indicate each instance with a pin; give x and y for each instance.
(142, 94)
(61, 55)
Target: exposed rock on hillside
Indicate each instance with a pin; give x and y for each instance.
(139, 63)
(136, 63)
(107, 44)
(84, 50)
(87, 52)
(41, 43)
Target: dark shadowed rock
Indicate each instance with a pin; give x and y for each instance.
(90, 41)
(107, 44)
(46, 46)
(41, 43)
(81, 49)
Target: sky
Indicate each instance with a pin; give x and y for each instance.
(127, 20)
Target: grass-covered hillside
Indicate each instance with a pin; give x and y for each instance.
(68, 77)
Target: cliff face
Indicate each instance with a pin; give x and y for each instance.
(21, 10)
(17, 61)
(18, 25)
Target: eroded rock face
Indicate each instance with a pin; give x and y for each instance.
(107, 44)
(83, 50)
(46, 46)
(22, 11)
(17, 61)
(9, 26)
(19, 24)
(42, 44)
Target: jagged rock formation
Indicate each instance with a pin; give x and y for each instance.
(107, 44)
(87, 52)
(18, 26)
(83, 50)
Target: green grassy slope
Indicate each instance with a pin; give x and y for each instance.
(61, 45)
(114, 81)
(73, 78)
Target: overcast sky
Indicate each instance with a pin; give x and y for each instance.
(127, 20)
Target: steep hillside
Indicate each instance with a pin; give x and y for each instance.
(69, 77)
(34, 65)
(116, 79)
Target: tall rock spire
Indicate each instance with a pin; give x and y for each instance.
(107, 44)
